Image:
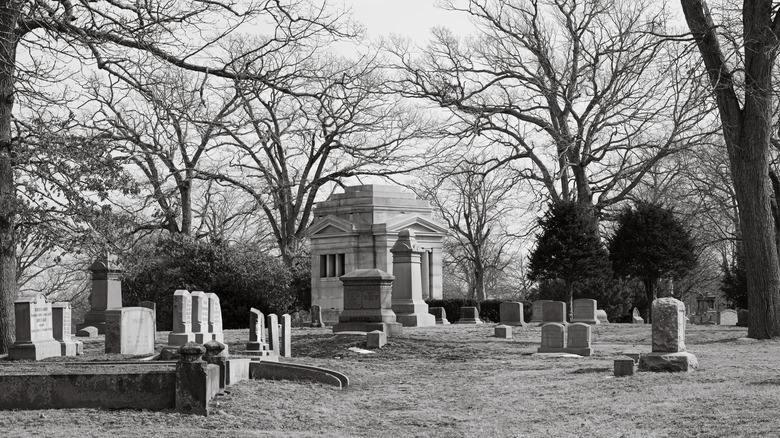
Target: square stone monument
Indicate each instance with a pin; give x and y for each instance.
(668, 339)
(536, 308)
(578, 339)
(440, 314)
(407, 300)
(554, 311)
(553, 338)
(511, 313)
(34, 334)
(469, 315)
(130, 330)
(368, 303)
(60, 313)
(584, 311)
(106, 294)
(181, 333)
(257, 345)
(503, 331)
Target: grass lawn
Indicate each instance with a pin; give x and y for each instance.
(459, 381)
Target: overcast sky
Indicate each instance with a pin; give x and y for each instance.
(412, 18)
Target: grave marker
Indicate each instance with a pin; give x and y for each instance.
(286, 341)
(511, 313)
(537, 311)
(469, 315)
(407, 300)
(440, 314)
(503, 332)
(61, 326)
(376, 339)
(578, 339)
(584, 310)
(554, 311)
(272, 324)
(215, 318)
(130, 330)
(200, 317)
(106, 294)
(636, 318)
(728, 317)
(316, 316)
(34, 334)
(553, 338)
(181, 332)
(257, 346)
(368, 303)
(668, 339)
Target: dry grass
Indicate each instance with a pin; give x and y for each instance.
(452, 381)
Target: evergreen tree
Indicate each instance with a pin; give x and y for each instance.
(734, 283)
(568, 248)
(649, 244)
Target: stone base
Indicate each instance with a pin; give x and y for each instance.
(219, 337)
(469, 321)
(443, 321)
(503, 331)
(88, 331)
(577, 351)
(623, 367)
(416, 320)
(376, 339)
(637, 320)
(71, 348)
(202, 338)
(179, 339)
(35, 350)
(514, 323)
(586, 321)
(390, 328)
(668, 362)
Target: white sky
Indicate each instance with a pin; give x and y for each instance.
(412, 18)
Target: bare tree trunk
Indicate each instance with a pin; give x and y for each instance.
(9, 14)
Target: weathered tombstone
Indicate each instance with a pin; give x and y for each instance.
(60, 313)
(440, 314)
(181, 332)
(554, 311)
(316, 316)
(624, 367)
(728, 317)
(106, 294)
(150, 305)
(130, 330)
(584, 310)
(503, 332)
(286, 345)
(537, 310)
(668, 339)
(34, 334)
(511, 313)
(272, 325)
(636, 318)
(601, 315)
(407, 300)
(553, 338)
(200, 317)
(215, 318)
(743, 318)
(469, 315)
(368, 303)
(578, 339)
(376, 339)
(257, 345)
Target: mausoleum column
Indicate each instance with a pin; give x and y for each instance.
(425, 260)
(408, 304)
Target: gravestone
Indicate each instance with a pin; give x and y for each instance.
(316, 316)
(503, 332)
(601, 315)
(61, 326)
(257, 345)
(553, 338)
(200, 317)
(578, 339)
(106, 294)
(469, 315)
(407, 300)
(624, 367)
(181, 333)
(215, 318)
(34, 334)
(368, 303)
(668, 339)
(584, 310)
(743, 318)
(376, 339)
(636, 318)
(554, 311)
(286, 342)
(440, 314)
(150, 305)
(511, 313)
(537, 310)
(130, 330)
(272, 325)
(728, 317)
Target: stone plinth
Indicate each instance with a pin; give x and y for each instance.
(624, 367)
(511, 313)
(503, 332)
(181, 333)
(130, 330)
(61, 330)
(668, 362)
(407, 300)
(368, 303)
(440, 314)
(584, 311)
(469, 315)
(554, 312)
(34, 333)
(106, 294)
(376, 339)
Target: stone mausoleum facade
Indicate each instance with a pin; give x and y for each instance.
(357, 228)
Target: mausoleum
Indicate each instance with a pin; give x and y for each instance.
(356, 230)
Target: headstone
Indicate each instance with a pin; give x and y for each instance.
(34, 334)
(130, 330)
(503, 332)
(624, 367)
(61, 330)
(106, 294)
(469, 315)
(286, 344)
(636, 318)
(553, 338)
(272, 324)
(181, 333)
(440, 314)
(200, 317)
(407, 300)
(257, 345)
(668, 339)
(743, 318)
(537, 311)
(584, 310)
(728, 317)
(511, 313)
(578, 339)
(316, 316)
(88, 332)
(376, 339)
(150, 305)
(554, 311)
(215, 318)
(368, 303)
(601, 315)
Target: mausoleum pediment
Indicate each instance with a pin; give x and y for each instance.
(330, 225)
(418, 224)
